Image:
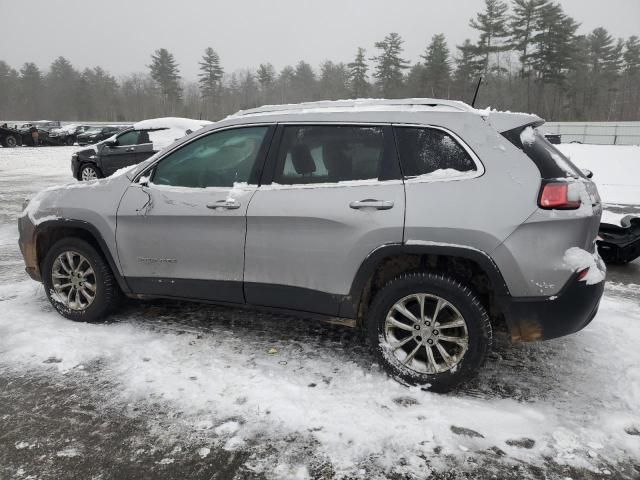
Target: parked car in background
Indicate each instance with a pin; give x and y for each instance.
(427, 223)
(68, 134)
(97, 134)
(41, 125)
(130, 146)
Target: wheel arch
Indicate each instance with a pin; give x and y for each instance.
(49, 232)
(474, 266)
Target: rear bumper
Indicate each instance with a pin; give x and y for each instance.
(543, 318)
(27, 243)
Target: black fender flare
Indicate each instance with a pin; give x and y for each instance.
(43, 227)
(351, 303)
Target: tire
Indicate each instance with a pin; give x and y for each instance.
(467, 344)
(88, 171)
(78, 307)
(10, 141)
(69, 141)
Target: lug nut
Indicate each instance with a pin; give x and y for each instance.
(435, 332)
(430, 342)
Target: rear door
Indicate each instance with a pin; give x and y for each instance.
(334, 195)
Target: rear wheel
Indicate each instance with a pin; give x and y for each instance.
(429, 330)
(89, 172)
(78, 282)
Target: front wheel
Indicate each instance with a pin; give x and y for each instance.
(10, 141)
(429, 330)
(78, 282)
(89, 172)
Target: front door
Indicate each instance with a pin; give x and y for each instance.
(121, 154)
(181, 228)
(336, 196)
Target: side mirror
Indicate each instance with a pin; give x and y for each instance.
(110, 143)
(587, 173)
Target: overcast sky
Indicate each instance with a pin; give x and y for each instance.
(120, 35)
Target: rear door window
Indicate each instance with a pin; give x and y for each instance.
(426, 150)
(550, 161)
(311, 154)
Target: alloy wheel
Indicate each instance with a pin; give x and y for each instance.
(426, 333)
(89, 173)
(73, 280)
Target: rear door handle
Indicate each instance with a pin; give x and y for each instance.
(130, 149)
(226, 204)
(372, 203)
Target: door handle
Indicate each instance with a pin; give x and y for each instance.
(226, 204)
(371, 203)
(130, 149)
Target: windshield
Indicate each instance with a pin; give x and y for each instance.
(94, 130)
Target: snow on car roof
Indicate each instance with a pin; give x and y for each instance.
(164, 131)
(500, 120)
(360, 105)
(176, 123)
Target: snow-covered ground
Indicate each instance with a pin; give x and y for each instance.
(616, 169)
(185, 390)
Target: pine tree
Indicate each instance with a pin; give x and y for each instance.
(390, 65)
(164, 71)
(285, 79)
(266, 76)
(605, 61)
(303, 82)
(210, 74)
(334, 81)
(9, 93)
(492, 25)
(555, 48)
(468, 69)
(358, 80)
(523, 22)
(62, 82)
(437, 72)
(32, 86)
(631, 71)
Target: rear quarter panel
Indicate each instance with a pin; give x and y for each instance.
(478, 213)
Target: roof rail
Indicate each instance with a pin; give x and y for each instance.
(364, 103)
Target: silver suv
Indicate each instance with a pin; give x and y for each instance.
(427, 223)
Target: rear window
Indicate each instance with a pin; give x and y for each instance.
(549, 160)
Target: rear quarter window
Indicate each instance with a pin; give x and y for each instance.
(424, 150)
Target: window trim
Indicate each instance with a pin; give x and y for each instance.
(262, 154)
(468, 175)
(271, 164)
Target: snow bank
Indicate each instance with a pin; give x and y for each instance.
(616, 169)
(578, 259)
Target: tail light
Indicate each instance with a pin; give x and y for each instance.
(559, 196)
(583, 273)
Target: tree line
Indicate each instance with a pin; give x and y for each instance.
(530, 54)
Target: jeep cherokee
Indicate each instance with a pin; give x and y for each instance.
(427, 223)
